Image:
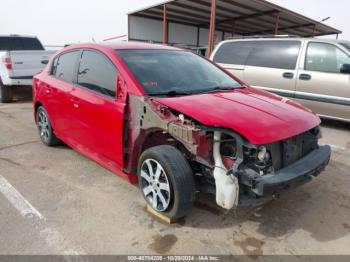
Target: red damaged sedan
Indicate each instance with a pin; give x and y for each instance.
(177, 124)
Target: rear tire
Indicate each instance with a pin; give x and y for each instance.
(46, 133)
(169, 187)
(6, 93)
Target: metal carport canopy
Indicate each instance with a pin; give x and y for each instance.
(232, 17)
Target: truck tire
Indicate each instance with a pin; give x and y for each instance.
(46, 133)
(6, 93)
(166, 181)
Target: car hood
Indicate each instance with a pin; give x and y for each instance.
(260, 117)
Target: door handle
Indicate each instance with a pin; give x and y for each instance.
(48, 89)
(305, 77)
(288, 75)
(75, 102)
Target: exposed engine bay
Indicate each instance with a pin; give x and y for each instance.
(224, 163)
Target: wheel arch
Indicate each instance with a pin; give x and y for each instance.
(37, 104)
(152, 138)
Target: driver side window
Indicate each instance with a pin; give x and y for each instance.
(323, 57)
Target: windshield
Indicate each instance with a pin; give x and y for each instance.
(167, 72)
(346, 45)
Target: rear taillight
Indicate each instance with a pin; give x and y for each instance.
(7, 62)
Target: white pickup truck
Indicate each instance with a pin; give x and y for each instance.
(21, 57)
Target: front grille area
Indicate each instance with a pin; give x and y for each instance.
(292, 150)
(289, 151)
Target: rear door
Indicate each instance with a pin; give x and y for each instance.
(56, 90)
(321, 86)
(272, 65)
(97, 110)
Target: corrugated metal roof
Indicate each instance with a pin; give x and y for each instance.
(243, 17)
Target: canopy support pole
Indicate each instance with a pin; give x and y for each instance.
(277, 24)
(211, 40)
(165, 25)
(314, 31)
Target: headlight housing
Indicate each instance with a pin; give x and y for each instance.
(263, 155)
(259, 159)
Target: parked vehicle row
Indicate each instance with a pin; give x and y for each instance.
(315, 72)
(21, 57)
(176, 123)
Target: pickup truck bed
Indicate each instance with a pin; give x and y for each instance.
(25, 64)
(20, 59)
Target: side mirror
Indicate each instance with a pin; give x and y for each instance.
(345, 69)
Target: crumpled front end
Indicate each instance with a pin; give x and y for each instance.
(260, 173)
(224, 163)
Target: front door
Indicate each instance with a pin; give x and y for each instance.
(57, 88)
(96, 108)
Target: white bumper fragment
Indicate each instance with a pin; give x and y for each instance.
(227, 187)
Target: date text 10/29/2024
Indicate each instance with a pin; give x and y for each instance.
(173, 258)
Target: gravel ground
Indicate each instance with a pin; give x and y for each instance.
(78, 207)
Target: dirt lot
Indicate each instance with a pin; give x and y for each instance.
(74, 206)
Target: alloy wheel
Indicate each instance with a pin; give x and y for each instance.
(43, 125)
(155, 185)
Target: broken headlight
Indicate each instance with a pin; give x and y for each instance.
(259, 159)
(263, 155)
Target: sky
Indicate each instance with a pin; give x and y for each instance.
(58, 22)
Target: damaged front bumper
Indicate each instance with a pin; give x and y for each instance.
(294, 175)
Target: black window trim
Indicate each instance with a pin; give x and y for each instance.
(319, 42)
(114, 98)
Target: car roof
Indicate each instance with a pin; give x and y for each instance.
(125, 46)
(285, 39)
(13, 35)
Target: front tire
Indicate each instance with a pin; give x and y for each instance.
(166, 181)
(6, 93)
(45, 129)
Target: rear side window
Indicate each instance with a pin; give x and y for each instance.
(20, 43)
(64, 66)
(324, 57)
(272, 54)
(235, 53)
(97, 73)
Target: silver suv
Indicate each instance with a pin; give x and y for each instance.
(314, 71)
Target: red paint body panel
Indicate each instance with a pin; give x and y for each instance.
(94, 125)
(260, 117)
(99, 124)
